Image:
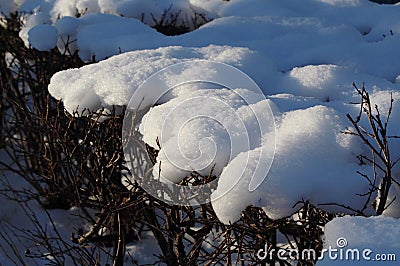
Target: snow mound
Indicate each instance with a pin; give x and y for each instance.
(40, 33)
(100, 36)
(312, 160)
(327, 82)
(202, 130)
(304, 56)
(37, 19)
(113, 81)
(324, 32)
(313, 76)
(380, 235)
(310, 83)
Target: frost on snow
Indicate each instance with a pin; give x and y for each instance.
(304, 56)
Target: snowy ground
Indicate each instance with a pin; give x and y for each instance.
(304, 56)
(30, 221)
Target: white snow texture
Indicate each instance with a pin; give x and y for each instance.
(304, 55)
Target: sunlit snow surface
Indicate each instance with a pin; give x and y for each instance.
(374, 239)
(304, 55)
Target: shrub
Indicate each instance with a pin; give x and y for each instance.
(377, 139)
(77, 161)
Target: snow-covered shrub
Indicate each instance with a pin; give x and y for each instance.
(75, 163)
(59, 24)
(71, 161)
(67, 163)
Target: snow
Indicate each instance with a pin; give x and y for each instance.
(302, 138)
(19, 218)
(89, 86)
(115, 34)
(199, 139)
(40, 33)
(29, 221)
(37, 19)
(378, 234)
(151, 12)
(304, 56)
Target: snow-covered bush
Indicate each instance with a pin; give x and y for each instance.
(303, 55)
(64, 24)
(57, 162)
(74, 163)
